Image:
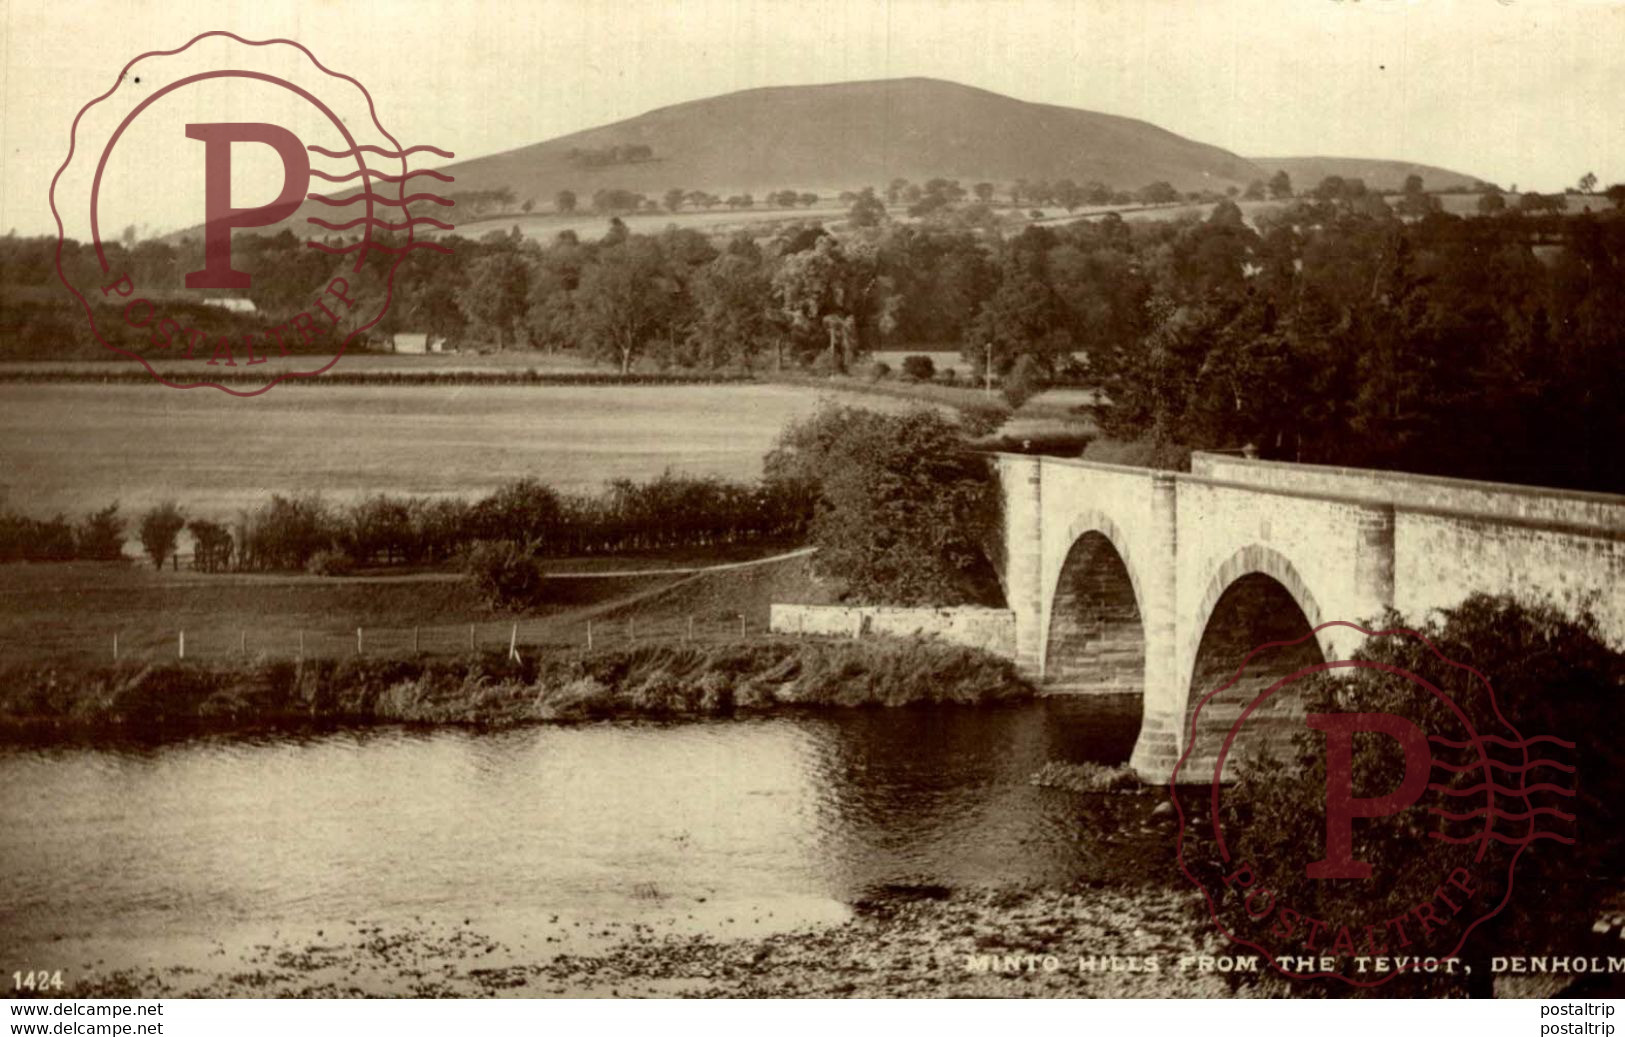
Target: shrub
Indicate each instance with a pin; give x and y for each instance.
(1551, 675)
(901, 508)
(100, 537)
(504, 574)
(948, 376)
(330, 563)
(879, 371)
(1025, 380)
(158, 529)
(919, 368)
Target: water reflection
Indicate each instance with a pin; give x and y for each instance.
(605, 820)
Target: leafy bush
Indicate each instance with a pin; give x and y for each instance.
(1025, 380)
(919, 368)
(159, 528)
(1551, 675)
(504, 574)
(879, 371)
(902, 510)
(100, 537)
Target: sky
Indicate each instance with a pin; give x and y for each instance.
(1525, 92)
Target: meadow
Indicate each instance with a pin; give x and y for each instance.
(72, 448)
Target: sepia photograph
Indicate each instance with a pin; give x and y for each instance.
(732, 499)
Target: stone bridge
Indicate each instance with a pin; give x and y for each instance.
(1159, 583)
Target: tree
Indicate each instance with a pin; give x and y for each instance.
(100, 536)
(625, 300)
(504, 574)
(565, 201)
(807, 199)
(1492, 202)
(495, 297)
(158, 530)
(1588, 183)
(731, 323)
(674, 199)
(211, 545)
(1413, 184)
(1255, 191)
(526, 206)
(835, 292)
(1158, 192)
(1616, 194)
(1025, 380)
(900, 508)
(1280, 185)
(984, 192)
(867, 210)
(1069, 195)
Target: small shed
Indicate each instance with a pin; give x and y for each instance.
(418, 342)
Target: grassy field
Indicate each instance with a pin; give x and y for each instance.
(77, 447)
(70, 611)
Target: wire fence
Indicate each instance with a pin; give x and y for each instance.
(216, 643)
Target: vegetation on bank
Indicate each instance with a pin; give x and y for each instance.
(667, 680)
(902, 512)
(1552, 677)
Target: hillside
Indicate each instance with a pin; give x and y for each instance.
(845, 136)
(1378, 174)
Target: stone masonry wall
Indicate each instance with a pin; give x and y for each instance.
(991, 630)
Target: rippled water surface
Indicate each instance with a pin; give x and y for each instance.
(199, 837)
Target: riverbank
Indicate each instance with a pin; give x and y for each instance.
(1082, 941)
(492, 689)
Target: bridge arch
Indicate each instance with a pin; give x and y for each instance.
(1095, 639)
(1256, 596)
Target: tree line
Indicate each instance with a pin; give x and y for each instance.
(303, 531)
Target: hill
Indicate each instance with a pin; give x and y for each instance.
(1378, 174)
(845, 136)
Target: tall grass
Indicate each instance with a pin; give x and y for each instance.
(490, 689)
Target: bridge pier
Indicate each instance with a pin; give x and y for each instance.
(1157, 748)
(1022, 478)
(1106, 564)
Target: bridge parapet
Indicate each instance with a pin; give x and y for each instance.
(1602, 511)
(1100, 558)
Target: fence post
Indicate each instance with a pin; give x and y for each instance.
(183, 644)
(301, 646)
(358, 640)
(471, 645)
(414, 640)
(741, 625)
(115, 646)
(513, 643)
(589, 635)
(690, 628)
(242, 642)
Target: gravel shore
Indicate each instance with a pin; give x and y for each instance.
(1086, 941)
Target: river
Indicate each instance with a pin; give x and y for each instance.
(145, 854)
